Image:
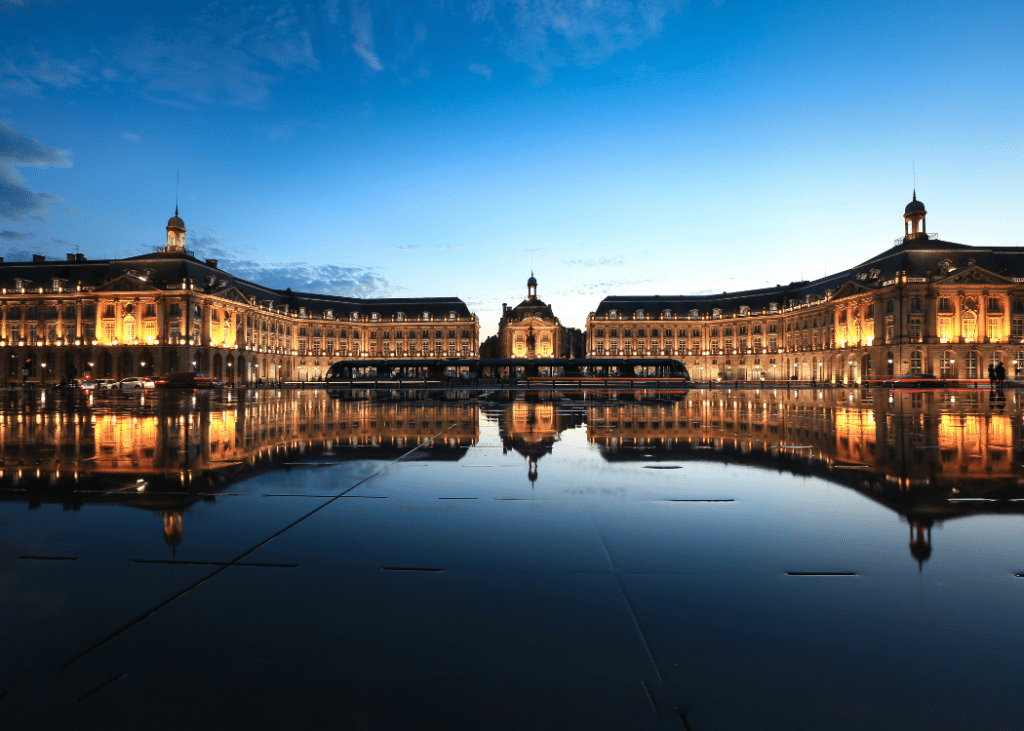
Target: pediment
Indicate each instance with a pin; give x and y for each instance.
(125, 283)
(975, 275)
(235, 295)
(850, 289)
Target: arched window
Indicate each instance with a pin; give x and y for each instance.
(613, 315)
(970, 327)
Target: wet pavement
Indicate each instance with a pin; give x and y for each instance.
(492, 560)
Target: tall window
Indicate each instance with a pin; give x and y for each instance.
(969, 327)
(915, 362)
(946, 370)
(915, 329)
(972, 364)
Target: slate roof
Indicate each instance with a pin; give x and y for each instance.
(920, 257)
(161, 269)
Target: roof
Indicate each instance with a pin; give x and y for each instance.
(922, 257)
(161, 269)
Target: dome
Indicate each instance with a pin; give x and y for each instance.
(531, 282)
(174, 221)
(915, 206)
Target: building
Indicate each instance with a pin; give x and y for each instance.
(169, 311)
(531, 330)
(923, 306)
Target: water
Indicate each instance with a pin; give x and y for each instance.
(705, 560)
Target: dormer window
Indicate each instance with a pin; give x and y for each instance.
(874, 274)
(302, 312)
(19, 284)
(355, 317)
(400, 317)
(639, 314)
(329, 315)
(666, 315)
(425, 317)
(613, 315)
(452, 316)
(694, 314)
(374, 317)
(744, 310)
(716, 312)
(773, 306)
(862, 276)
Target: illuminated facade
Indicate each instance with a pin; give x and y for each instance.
(923, 306)
(531, 330)
(168, 311)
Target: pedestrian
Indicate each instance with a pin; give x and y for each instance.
(991, 376)
(1000, 374)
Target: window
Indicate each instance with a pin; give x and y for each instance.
(452, 317)
(641, 333)
(374, 317)
(915, 304)
(694, 314)
(969, 327)
(946, 369)
(355, 317)
(613, 315)
(400, 317)
(868, 314)
(915, 328)
(696, 333)
(993, 304)
(972, 364)
(890, 306)
(1018, 328)
(945, 304)
(600, 332)
(639, 314)
(1018, 305)
(757, 329)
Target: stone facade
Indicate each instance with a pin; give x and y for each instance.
(923, 306)
(531, 330)
(168, 311)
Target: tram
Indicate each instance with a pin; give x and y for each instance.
(505, 370)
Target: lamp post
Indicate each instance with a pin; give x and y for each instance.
(44, 374)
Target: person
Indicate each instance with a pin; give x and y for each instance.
(1000, 374)
(991, 376)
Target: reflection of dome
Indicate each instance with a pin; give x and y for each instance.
(173, 529)
(915, 206)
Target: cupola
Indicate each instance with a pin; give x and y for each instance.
(913, 217)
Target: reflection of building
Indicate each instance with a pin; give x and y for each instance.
(925, 305)
(531, 428)
(179, 449)
(927, 456)
(168, 311)
(531, 330)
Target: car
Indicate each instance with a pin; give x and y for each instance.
(136, 382)
(105, 384)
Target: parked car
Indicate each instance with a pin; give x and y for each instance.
(84, 385)
(105, 384)
(136, 382)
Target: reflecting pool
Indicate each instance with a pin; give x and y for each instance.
(709, 559)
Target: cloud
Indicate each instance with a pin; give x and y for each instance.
(331, 6)
(16, 235)
(362, 29)
(482, 69)
(17, 201)
(605, 262)
(333, 279)
(551, 33)
(228, 52)
(131, 136)
(420, 247)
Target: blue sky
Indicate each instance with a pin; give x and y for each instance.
(379, 148)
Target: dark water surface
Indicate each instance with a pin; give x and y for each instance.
(709, 560)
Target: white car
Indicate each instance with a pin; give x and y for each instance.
(105, 384)
(136, 382)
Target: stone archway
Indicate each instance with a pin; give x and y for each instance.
(127, 364)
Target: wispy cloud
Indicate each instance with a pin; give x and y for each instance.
(16, 235)
(551, 33)
(344, 281)
(482, 69)
(607, 261)
(362, 31)
(230, 51)
(17, 201)
(420, 247)
(131, 136)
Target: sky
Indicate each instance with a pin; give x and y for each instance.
(386, 148)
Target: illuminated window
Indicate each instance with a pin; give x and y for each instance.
(915, 362)
(972, 364)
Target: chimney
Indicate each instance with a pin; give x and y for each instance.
(38, 258)
(211, 263)
(71, 257)
(79, 257)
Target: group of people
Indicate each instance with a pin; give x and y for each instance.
(996, 375)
